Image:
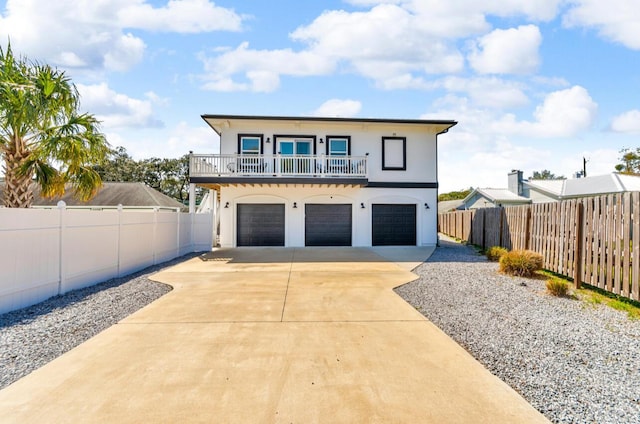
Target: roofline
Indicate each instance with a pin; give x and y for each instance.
(495, 199)
(450, 123)
(544, 189)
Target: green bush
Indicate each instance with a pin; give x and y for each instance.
(557, 287)
(494, 253)
(521, 263)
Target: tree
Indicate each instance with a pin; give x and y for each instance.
(454, 195)
(168, 176)
(43, 137)
(545, 174)
(630, 161)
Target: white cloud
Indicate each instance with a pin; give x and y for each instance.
(616, 20)
(478, 153)
(117, 110)
(628, 122)
(183, 16)
(261, 68)
(564, 113)
(510, 51)
(344, 108)
(488, 92)
(398, 44)
(94, 35)
(170, 143)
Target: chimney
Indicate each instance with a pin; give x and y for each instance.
(515, 182)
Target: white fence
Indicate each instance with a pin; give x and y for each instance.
(46, 252)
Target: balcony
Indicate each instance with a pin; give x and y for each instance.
(304, 169)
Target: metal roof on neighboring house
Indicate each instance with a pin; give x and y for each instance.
(588, 186)
(498, 195)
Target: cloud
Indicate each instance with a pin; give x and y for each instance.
(615, 20)
(487, 92)
(397, 44)
(339, 108)
(628, 122)
(183, 16)
(510, 51)
(261, 68)
(116, 110)
(564, 113)
(479, 152)
(98, 35)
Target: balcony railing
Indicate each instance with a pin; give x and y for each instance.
(278, 166)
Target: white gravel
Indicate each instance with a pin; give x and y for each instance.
(33, 336)
(574, 362)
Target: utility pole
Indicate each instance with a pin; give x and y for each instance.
(584, 167)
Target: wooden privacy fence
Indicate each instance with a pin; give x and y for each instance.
(595, 240)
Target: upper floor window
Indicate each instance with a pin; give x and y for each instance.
(249, 144)
(338, 145)
(394, 153)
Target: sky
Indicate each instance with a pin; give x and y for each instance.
(533, 84)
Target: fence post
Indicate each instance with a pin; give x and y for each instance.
(577, 255)
(62, 207)
(119, 248)
(527, 228)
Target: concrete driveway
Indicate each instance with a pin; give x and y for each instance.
(270, 335)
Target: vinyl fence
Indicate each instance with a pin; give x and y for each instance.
(593, 240)
(46, 252)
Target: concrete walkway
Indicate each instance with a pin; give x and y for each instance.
(272, 335)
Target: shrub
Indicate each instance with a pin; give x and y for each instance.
(494, 253)
(557, 287)
(521, 263)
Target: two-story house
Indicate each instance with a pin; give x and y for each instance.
(312, 181)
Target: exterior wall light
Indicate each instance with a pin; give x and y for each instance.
(268, 140)
(321, 142)
(226, 205)
(361, 205)
(426, 206)
(295, 205)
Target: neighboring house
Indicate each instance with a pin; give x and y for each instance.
(523, 191)
(112, 194)
(493, 197)
(311, 181)
(541, 191)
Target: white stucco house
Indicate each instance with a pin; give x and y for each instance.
(313, 181)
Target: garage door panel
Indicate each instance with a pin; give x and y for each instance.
(260, 224)
(393, 225)
(327, 224)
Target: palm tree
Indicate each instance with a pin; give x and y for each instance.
(43, 137)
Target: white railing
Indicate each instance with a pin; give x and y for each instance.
(277, 166)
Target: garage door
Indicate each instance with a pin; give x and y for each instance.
(393, 225)
(260, 224)
(327, 225)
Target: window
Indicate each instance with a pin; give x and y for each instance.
(249, 144)
(338, 145)
(394, 153)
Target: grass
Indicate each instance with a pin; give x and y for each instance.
(494, 253)
(520, 263)
(594, 296)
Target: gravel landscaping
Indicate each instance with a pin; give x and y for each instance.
(574, 362)
(32, 336)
